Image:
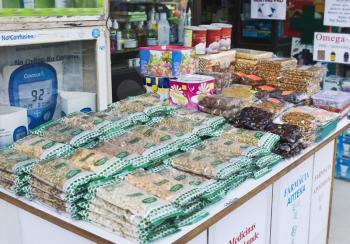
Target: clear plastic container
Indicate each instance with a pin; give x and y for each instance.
(335, 101)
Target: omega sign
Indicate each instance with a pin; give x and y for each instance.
(332, 47)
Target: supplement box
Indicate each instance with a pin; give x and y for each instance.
(342, 168)
(167, 61)
(188, 90)
(332, 83)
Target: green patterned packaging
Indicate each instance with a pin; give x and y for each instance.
(232, 148)
(261, 139)
(62, 133)
(88, 122)
(101, 164)
(213, 165)
(178, 193)
(139, 203)
(42, 148)
(269, 161)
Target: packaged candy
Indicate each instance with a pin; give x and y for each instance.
(219, 62)
(254, 138)
(242, 92)
(164, 188)
(291, 96)
(61, 175)
(315, 123)
(305, 79)
(288, 149)
(220, 102)
(228, 114)
(253, 118)
(41, 148)
(86, 122)
(273, 69)
(148, 105)
(62, 133)
(232, 148)
(288, 133)
(245, 66)
(98, 163)
(273, 106)
(15, 170)
(143, 207)
(252, 54)
(212, 165)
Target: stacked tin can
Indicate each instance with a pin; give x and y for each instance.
(161, 63)
(342, 165)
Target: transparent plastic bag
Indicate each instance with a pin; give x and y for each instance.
(212, 165)
(41, 148)
(254, 138)
(253, 118)
(164, 188)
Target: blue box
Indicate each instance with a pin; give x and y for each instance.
(342, 168)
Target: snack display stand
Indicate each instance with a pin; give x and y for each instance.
(255, 211)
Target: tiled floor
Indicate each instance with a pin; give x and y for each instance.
(340, 223)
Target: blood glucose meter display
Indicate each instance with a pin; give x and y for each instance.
(35, 95)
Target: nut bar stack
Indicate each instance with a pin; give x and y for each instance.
(273, 69)
(15, 171)
(58, 184)
(305, 79)
(246, 60)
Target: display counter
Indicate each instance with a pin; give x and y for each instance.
(290, 204)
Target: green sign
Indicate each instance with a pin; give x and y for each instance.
(43, 8)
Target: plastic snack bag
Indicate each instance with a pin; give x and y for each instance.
(40, 147)
(87, 122)
(164, 188)
(254, 138)
(253, 119)
(216, 166)
(146, 207)
(98, 163)
(232, 148)
(62, 133)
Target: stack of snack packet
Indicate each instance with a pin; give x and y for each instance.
(132, 213)
(306, 79)
(247, 59)
(62, 133)
(59, 185)
(15, 171)
(272, 70)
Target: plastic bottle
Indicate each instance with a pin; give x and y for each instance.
(113, 36)
(141, 35)
(152, 20)
(163, 30)
(152, 37)
(119, 39)
(188, 21)
(181, 28)
(129, 37)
